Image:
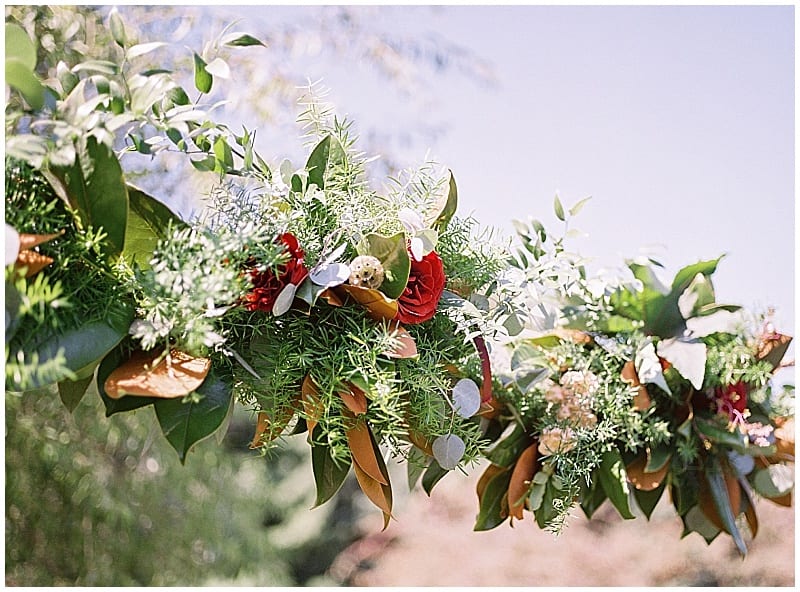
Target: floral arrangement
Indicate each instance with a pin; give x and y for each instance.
(367, 322)
(635, 389)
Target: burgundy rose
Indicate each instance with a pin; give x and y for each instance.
(267, 285)
(731, 400)
(425, 284)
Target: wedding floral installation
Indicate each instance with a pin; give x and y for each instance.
(375, 324)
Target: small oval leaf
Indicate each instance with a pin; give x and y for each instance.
(448, 450)
(466, 397)
(284, 300)
(330, 275)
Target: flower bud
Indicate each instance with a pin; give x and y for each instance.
(366, 271)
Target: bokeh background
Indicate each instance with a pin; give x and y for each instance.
(678, 121)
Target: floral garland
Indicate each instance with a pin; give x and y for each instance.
(369, 322)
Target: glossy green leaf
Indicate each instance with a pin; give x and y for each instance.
(722, 437)
(148, 222)
(185, 424)
(328, 473)
(25, 81)
(202, 79)
(614, 480)
(648, 500)
(684, 278)
(20, 47)
(695, 521)
(684, 492)
(447, 204)
(657, 457)
(111, 362)
(490, 513)
(223, 154)
(392, 252)
(592, 497)
(506, 451)
(94, 185)
(547, 509)
(432, 476)
(71, 391)
(415, 466)
(326, 153)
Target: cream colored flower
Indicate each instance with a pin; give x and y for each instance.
(580, 382)
(554, 440)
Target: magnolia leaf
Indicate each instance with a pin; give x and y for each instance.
(647, 500)
(111, 362)
(392, 252)
(32, 262)
(687, 357)
(493, 509)
(505, 452)
(406, 348)
(173, 376)
(486, 368)
(592, 497)
(267, 428)
(725, 492)
(284, 300)
(330, 274)
(185, 424)
(466, 397)
(148, 222)
(354, 399)
(72, 391)
(313, 407)
(95, 186)
(642, 479)
(420, 441)
(433, 474)
(490, 473)
(359, 438)
(28, 241)
(657, 458)
(521, 476)
(614, 480)
(696, 521)
(648, 367)
(377, 304)
(773, 348)
(416, 463)
(448, 450)
(641, 398)
(723, 437)
(12, 244)
(329, 473)
(377, 493)
(749, 508)
(309, 292)
(328, 151)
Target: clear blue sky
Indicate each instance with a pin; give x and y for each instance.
(679, 121)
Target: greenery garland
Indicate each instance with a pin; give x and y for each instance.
(368, 322)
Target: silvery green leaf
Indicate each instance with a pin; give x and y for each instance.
(142, 49)
(466, 397)
(12, 244)
(410, 220)
(284, 300)
(648, 367)
(218, 67)
(286, 171)
(330, 275)
(513, 325)
(448, 450)
(687, 357)
(607, 343)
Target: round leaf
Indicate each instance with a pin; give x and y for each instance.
(330, 275)
(284, 300)
(448, 450)
(466, 397)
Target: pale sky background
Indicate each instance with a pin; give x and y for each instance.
(678, 121)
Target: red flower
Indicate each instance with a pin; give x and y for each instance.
(267, 285)
(425, 284)
(731, 400)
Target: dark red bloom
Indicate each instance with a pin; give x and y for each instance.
(731, 400)
(267, 285)
(425, 285)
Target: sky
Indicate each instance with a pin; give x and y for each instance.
(678, 121)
